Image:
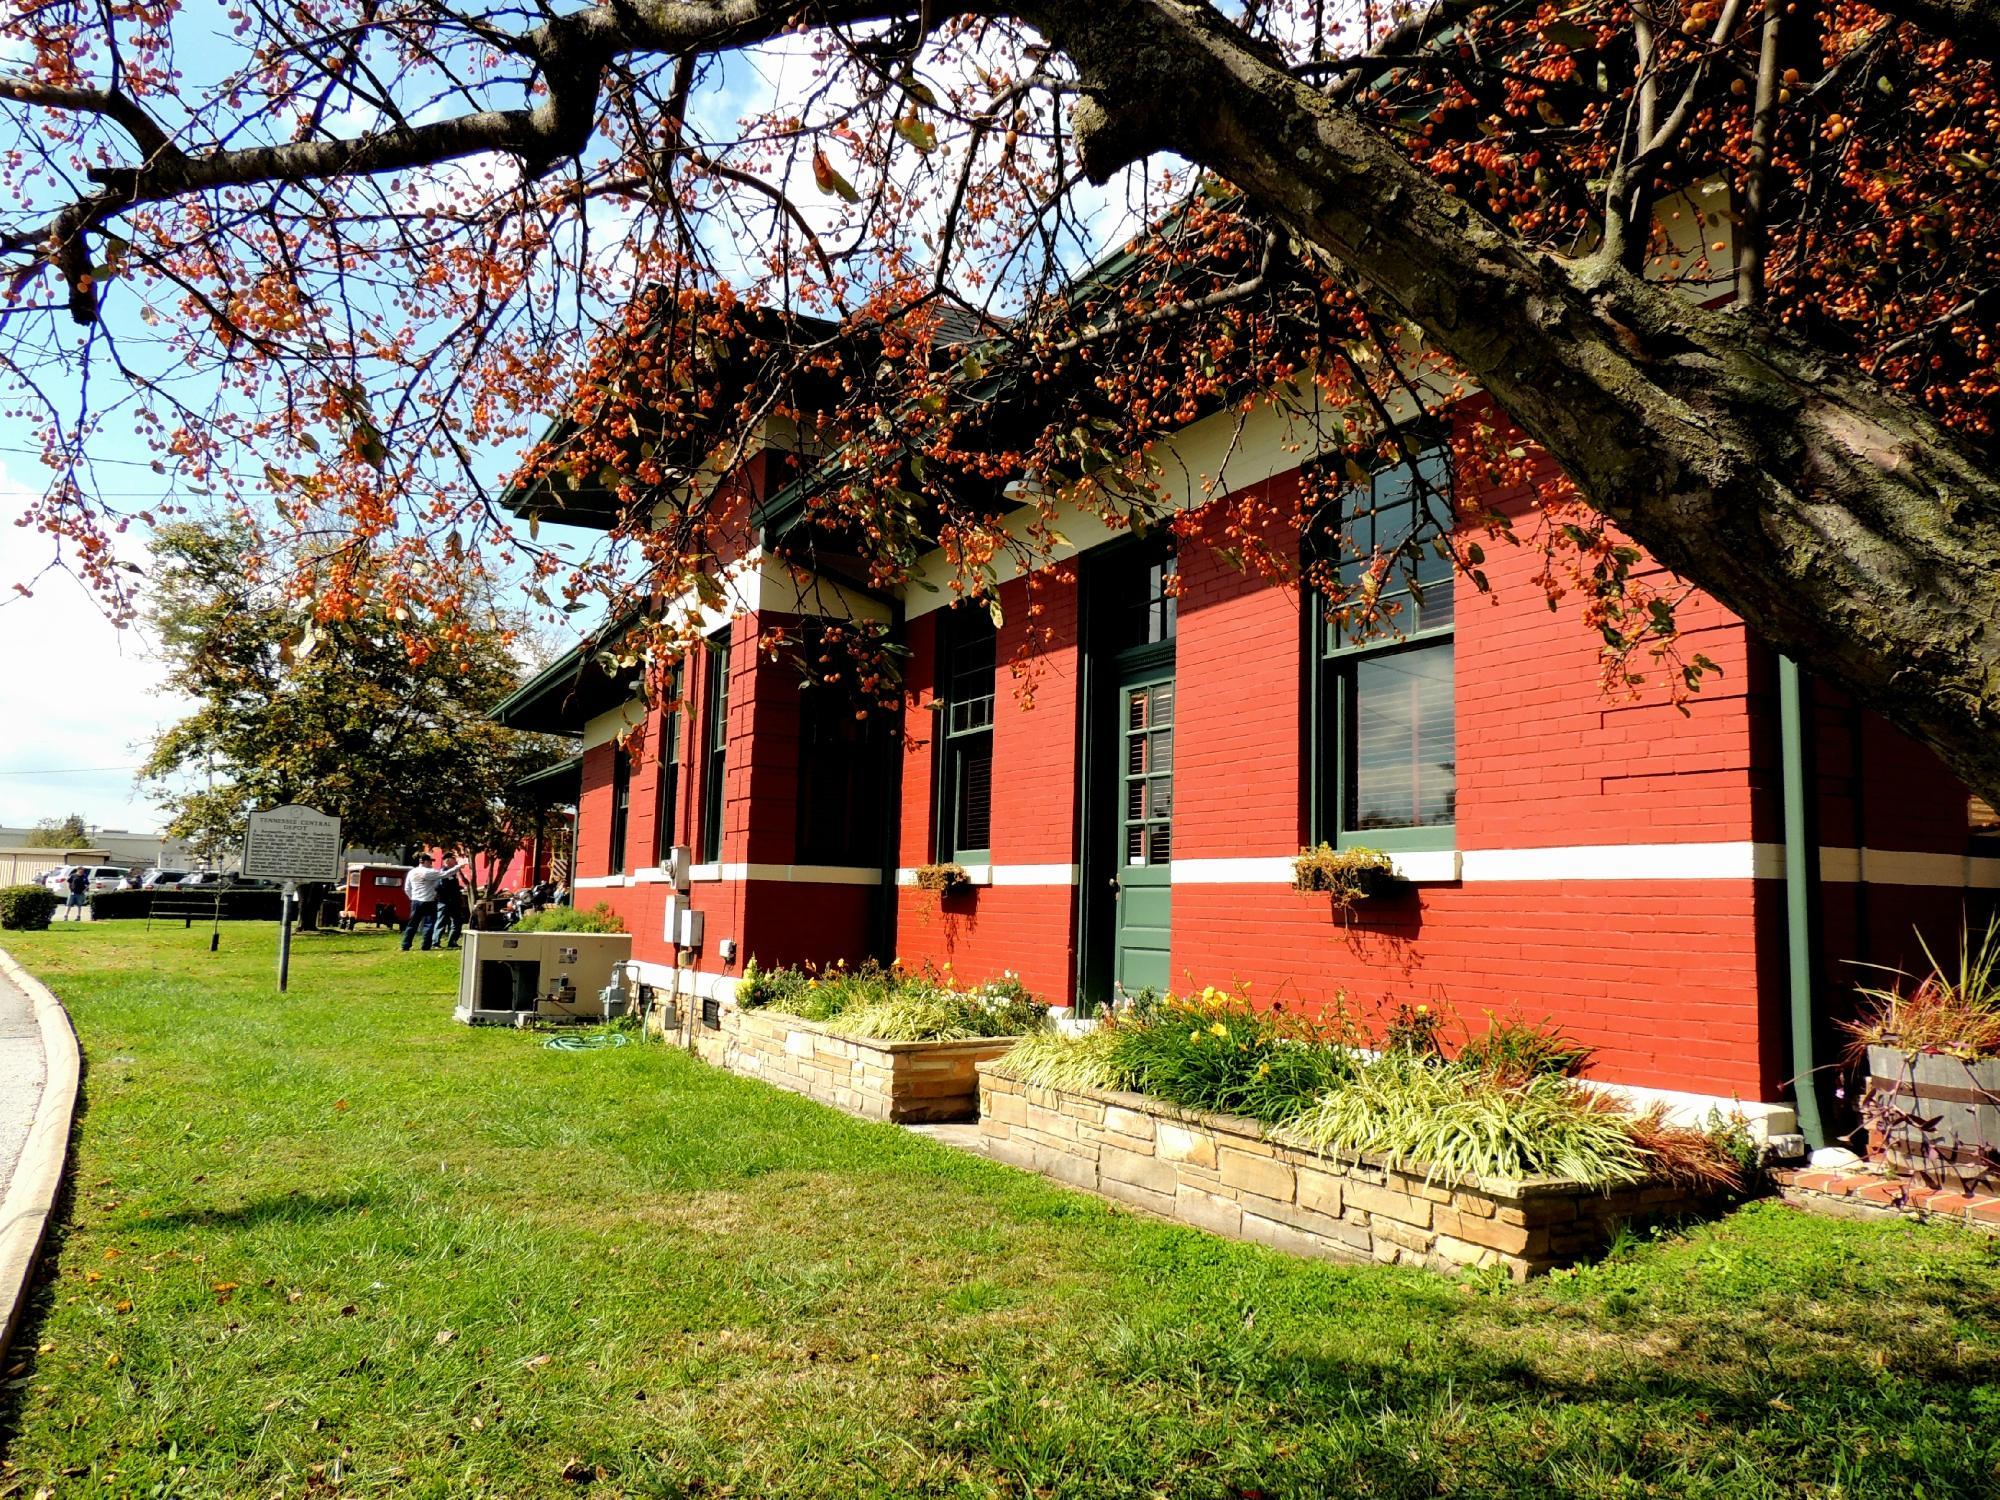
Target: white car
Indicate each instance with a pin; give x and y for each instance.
(107, 877)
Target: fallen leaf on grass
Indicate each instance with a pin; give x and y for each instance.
(124, 1305)
(444, 1336)
(340, 1104)
(224, 1290)
(535, 1361)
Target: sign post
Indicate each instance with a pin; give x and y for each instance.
(291, 844)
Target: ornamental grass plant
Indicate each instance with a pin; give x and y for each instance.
(894, 1004)
(1958, 1014)
(1454, 1122)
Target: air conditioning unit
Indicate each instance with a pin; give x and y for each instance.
(507, 978)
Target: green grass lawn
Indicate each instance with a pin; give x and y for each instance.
(330, 1243)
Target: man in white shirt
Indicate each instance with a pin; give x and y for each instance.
(423, 885)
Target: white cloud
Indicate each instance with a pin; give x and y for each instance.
(79, 698)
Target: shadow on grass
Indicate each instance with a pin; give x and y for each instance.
(279, 1208)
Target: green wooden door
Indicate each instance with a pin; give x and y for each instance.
(1141, 930)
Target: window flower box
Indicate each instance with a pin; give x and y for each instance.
(1348, 876)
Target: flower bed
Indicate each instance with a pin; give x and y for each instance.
(886, 1044)
(1229, 1175)
(1317, 1136)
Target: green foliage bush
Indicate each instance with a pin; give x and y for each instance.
(893, 1005)
(1216, 1051)
(1516, 1050)
(26, 907)
(600, 918)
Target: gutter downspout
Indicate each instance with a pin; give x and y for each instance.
(1801, 895)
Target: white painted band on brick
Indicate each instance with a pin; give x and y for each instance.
(1762, 1120)
(1418, 866)
(1906, 867)
(1719, 861)
(1004, 875)
(695, 982)
(601, 882)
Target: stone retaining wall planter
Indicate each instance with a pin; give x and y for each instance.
(904, 1082)
(1223, 1174)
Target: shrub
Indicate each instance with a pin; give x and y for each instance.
(1938, 1012)
(1413, 1029)
(1215, 1051)
(1514, 1051)
(600, 918)
(1454, 1122)
(1718, 1159)
(26, 908)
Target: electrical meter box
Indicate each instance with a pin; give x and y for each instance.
(508, 977)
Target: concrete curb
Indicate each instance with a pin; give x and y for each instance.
(31, 1196)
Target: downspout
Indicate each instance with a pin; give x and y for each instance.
(1801, 895)
(892, 831)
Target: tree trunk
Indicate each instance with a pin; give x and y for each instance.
(1838, 519)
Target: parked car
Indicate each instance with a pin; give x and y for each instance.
(201, 877)
(161, 877)
(107, 877)
(58, 878)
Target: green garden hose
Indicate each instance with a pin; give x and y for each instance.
(594, 1041)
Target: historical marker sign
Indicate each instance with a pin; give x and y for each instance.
(292, 843)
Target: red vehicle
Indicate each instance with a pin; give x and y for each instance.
(375, 894)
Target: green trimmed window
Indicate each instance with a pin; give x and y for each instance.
(714, 744)
(1385, 715)
(667, 791)
(968, 652)
(621, 805)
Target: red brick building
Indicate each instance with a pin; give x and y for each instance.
(1127, 796)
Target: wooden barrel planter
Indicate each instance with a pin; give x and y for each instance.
(1935, 1117)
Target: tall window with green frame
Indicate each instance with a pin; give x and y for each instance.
(714, 744)
(1387, 763)
(667, 788)
(967, 652)
(621, 805)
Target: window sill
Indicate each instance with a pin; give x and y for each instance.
(1428, 866)
(974, 875)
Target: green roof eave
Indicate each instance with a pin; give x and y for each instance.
(561, 782)
(570, 691)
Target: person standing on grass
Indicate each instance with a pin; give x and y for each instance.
(79, 892)
(453, 910)
(424, 885)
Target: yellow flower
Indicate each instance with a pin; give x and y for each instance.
(1423, 1010)
(1263, 1070)
(1219, 1029)
(1194, 1036)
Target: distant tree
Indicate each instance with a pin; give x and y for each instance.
(58, 833)
(374, 717)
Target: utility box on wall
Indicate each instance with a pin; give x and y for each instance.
(508, 977)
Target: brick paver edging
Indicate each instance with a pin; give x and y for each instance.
(1864, 1192)
(1226, 1175)
(31, 1193)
